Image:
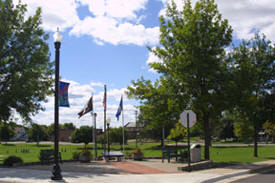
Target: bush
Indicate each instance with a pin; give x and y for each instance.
(76, 155)
(85, 156)
(137, 154)
(9, 161)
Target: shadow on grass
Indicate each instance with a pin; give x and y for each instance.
(8, 144)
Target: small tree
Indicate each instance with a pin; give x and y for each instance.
(269, 129)
(83, 135)
(38, 133)
(177, 133)
(116, 135)
(101, 139)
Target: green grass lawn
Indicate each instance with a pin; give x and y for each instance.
(217, 154)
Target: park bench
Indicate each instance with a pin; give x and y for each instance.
(108, 155)
(47, 156)
(169, 152)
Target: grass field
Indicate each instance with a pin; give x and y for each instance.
(217, 154)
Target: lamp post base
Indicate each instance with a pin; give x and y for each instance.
(56, 173)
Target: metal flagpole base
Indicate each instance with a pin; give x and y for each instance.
(56, 173)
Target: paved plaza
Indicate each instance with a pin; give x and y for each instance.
(148, 171)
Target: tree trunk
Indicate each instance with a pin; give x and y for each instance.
(206, 136)
(162, 138)
(255, 141)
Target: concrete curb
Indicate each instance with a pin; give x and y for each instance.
(198, 166)
(260, 169)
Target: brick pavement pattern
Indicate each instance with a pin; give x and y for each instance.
(136, 168)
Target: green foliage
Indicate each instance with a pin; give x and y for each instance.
(12, 160)
(178, 132)
(38, 133)
(101, 139)
(243, 129)
(68, 126)
(193, 71)
(6, 131)
(116, 135)
(269, 128)
(138, 151)
(83, 135)
(254, 82)
(26, 72)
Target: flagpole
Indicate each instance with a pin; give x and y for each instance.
(105, 97)
(123, 140)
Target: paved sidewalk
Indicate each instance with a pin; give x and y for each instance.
(149, 171)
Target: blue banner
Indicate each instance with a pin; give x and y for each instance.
(63, 94)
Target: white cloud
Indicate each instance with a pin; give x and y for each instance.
(112, 31)
(248, 16)
(152, 58)
(79, 95)
(245, 16)
(114, 21)
(115, 8)
(61, 13)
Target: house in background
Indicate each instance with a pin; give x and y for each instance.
(20, 134)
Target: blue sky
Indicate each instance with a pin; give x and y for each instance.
(104, 42)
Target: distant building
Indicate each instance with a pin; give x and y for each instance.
(132, 129)
(20, 134)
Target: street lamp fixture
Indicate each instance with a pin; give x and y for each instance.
(108, 139)
(56, 169)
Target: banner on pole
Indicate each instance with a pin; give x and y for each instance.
(63, 94)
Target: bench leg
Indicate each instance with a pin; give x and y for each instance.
(106, 159)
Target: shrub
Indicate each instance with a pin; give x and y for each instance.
(85, 156)
(9, 161)
(137, 154)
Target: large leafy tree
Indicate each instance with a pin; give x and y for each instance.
(253, 75)
(192, 51)
(158, 106)
(38, 133)
(25, 69)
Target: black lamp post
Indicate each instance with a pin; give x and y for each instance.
(56, 169)
(108, 138)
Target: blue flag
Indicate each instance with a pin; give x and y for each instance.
(120, 108)
(63, 94)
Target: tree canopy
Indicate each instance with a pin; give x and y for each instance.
(25, 69)
(192, 52)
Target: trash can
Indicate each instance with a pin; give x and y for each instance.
(195, 153)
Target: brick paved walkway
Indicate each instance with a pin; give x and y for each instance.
(135, 168)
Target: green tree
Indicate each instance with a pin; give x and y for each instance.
(101, 139)
(177, 133)
(25, 69)
(253, 75)
(38, 133)
(192, 52)
(6, 131)
(269, 129)
(158, 106)
(68, 126)
(116, 135)
(83, 135)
